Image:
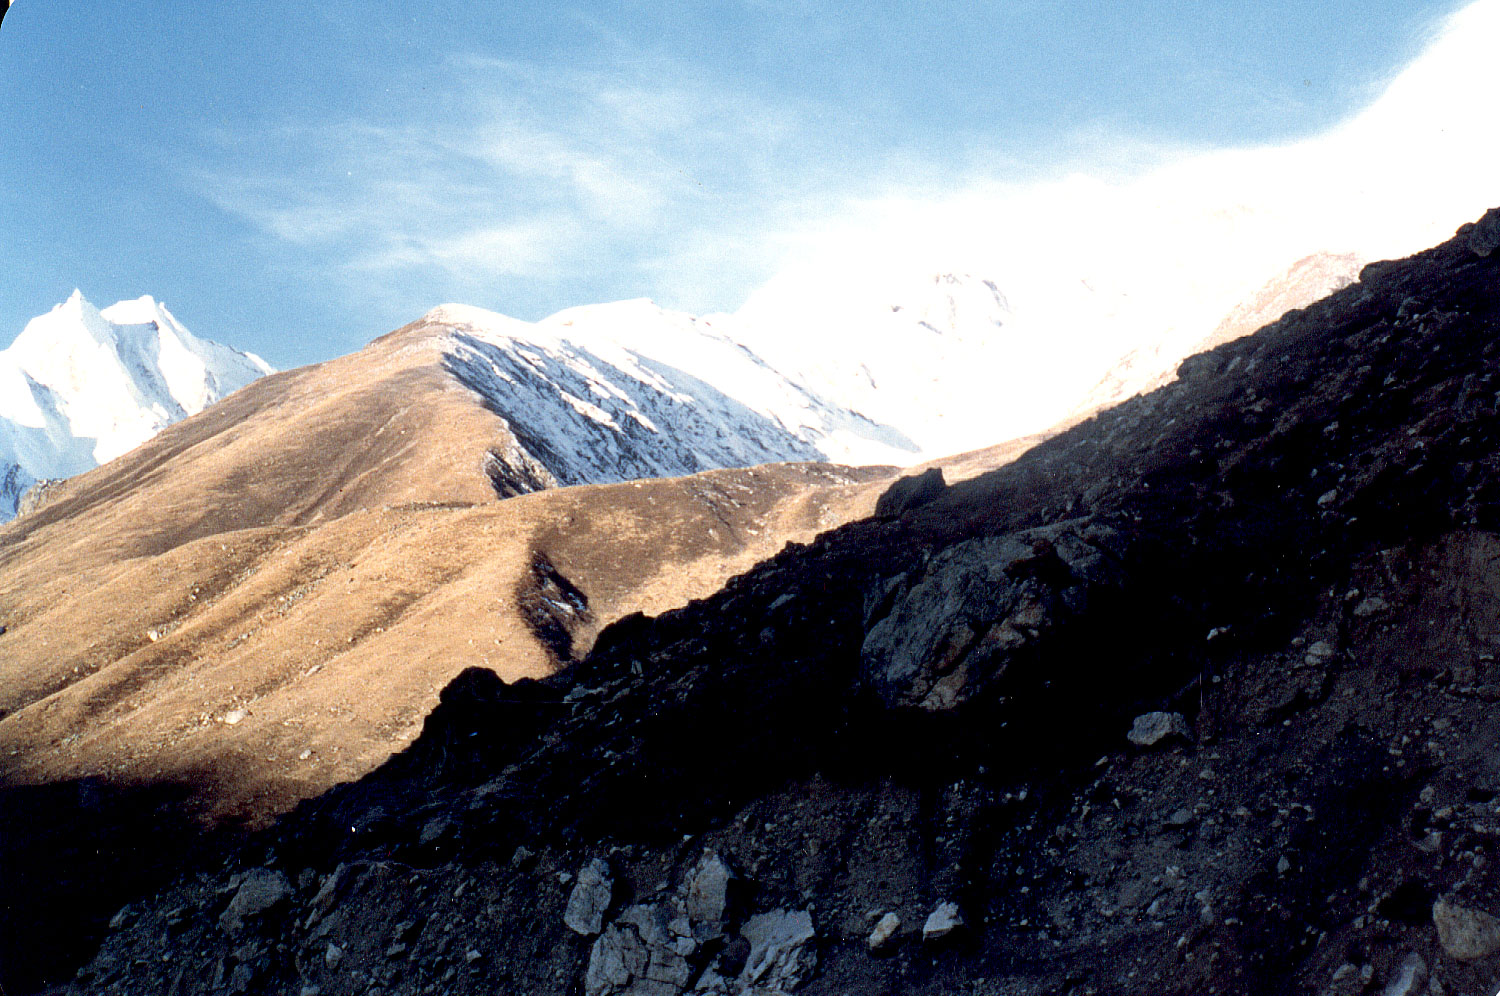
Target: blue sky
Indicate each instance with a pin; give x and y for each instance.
(297, 178)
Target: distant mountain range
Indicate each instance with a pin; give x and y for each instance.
(81, 386)
(911, 371)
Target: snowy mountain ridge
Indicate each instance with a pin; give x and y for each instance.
(626, 390)
(79, 386)
(892, 369)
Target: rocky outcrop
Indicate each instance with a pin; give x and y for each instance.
(980, 608)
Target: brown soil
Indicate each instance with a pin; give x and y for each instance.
(266, 599)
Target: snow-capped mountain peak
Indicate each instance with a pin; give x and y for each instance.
(79, 386)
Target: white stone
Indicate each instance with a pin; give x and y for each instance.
(884, 930)
(942, 921)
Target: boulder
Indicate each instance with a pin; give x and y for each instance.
(261, 891)
(1409, 977)
(590, 898)
(707, 896)
(944, 639)
(643, 953)
(780, 958)
(1466, 934)
(1151, 728)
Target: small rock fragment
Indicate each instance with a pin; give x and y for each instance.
(1152, 728)
(1409, 977)
(884, 930)
(1466, 934)
(333, 956)
(1372, 606)
(590, 898)
(942, 921)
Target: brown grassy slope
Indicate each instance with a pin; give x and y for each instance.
(265, 599)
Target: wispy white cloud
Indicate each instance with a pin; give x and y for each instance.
(493, 179)
(613, 179)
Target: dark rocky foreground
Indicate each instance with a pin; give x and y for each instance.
(1197, 697)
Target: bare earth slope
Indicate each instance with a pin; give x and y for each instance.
(265, 599)
(1195, 697)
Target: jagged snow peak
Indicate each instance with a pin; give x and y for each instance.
(865, 368)
(80, 386)
(876, 369)
(625, 390)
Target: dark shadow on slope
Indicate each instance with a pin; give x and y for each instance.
(72, 854)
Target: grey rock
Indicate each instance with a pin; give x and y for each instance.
(947, 634)
(328, 891)
(437, 829)
(885, 929)
(707, 896)
(242, 980)
(1372, 606)
(1151, 728)
(1466, 934)
(1320, 652)
(1484, 235)
(1409, 976)
(591, 896)
(643, 953)
(911, 492)
(942, 921)
(1179, 818)
(261, 891)
(333, 956)
(780, 958)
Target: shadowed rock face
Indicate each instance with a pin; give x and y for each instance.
(929, 717)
